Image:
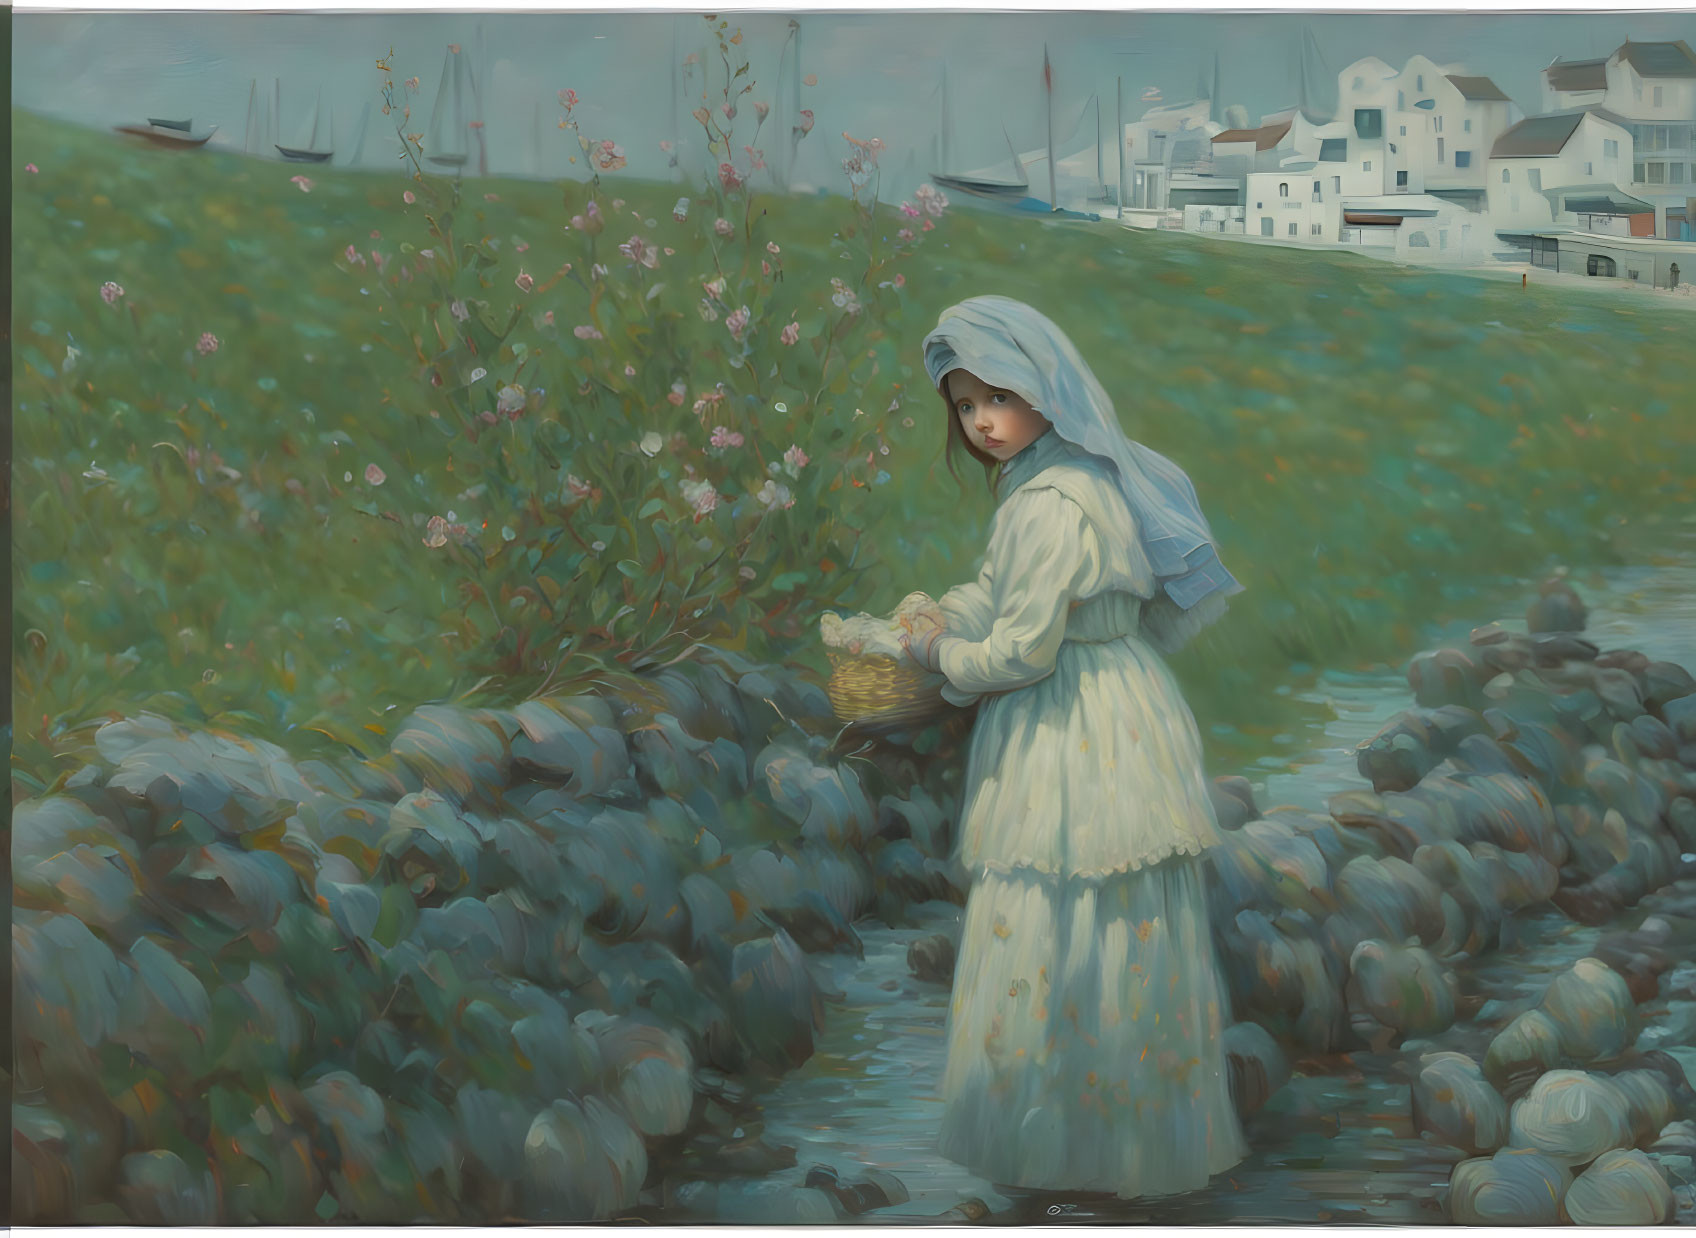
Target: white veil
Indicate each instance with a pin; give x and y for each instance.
(1008, 344)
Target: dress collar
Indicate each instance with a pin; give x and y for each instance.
(1047, 450)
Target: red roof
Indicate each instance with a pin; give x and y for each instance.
(1264, 138)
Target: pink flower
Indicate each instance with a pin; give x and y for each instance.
(669, 251)
(630, 371)
(548, 318)
(722, 437)
(593, 210)
(701, 496)
(790, 333)
(729, 110)
(900, 281)
(412, 83)
(587, 333)
(31, 168)
(436, 533)
(376, 235)
(774, 496)
(761, 111)
(928, 226)
(677, 394)
(509, 401)
(706, 402)
(352, 255)
(609, 157)
(794, 460)
(568, 98)
(665, 144)
(736, 322)
(906, 234)
(723, 227)
(490, 197)
(756, 160)
(729, 177)
(374, 476)
(910, 211)
(577, 487)
(304, 182)
(525, 281)
(806, 125)
(765, 268)
(207, 344)
(640, 252)
(522, 247)
(111, 292)
(714, 288)
(771, 248)
(409, 197)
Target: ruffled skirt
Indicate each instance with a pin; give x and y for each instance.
(1084, 1045)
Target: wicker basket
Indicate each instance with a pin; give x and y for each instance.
(879, 689)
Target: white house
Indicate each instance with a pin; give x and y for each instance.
(1651, 88)
(1565, 168)
(1445, 125)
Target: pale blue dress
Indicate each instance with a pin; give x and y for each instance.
(1084, 1028)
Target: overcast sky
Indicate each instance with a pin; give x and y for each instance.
(877, 73)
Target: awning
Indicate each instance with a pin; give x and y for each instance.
(1596, 200)
(1362, 220)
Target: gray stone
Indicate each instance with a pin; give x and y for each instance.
(1401, 988)
(1259, 1067)
(1453, 1103)
(1572, 1116)
(1621, 1188)
(1557, 609)
(1514, 1187)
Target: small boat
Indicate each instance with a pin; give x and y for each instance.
(981, 186)
(181, 126)
(309, 153)
(174, 135)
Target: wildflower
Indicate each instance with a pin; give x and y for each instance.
(568, 98)
(459, 312)
(761, 111)
(374, 476)
(794, 460)
(680, 212)
(910, 211)
(806, 125)
(843, 297)
(900, 280)
(347, 476)
(780, 407)
(737, 322)
(700, 495)
(509, 401)
(479, 374)
(669, 251)
(525, 281)
(706, 402)
(765, 268)
(609, 157)
(790, 333)
(726, 438)
(746, 573)
(587, 333)
(703, 117)
(427, 253)
(578, 222)
(207, 344)
(577, 488)
(729, 177)
(756, 159)
(521, 246)
(630, 371)
(723, 227)
(651, 444)
(774, 496)
(677, 393)
(597, 546)
(928, 226)
(908, 422)
(771, 248)
(906, 234)
(304, 182)
(111, 292)
(31, 168)
(709, 312)
(931, 199)
(436, 533)
(665, 144)
(599, 270)
(640, 252)
(412, 83)
(488, 197)
(714, 288)
(729, 110)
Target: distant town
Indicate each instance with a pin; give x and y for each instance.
(1426, 161)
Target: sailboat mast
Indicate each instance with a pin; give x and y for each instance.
(317, 107)
(359, 137)
(672, 71)
(1100, 175)
(1120, 130)
(277, 111)
(1048, 100)
(795, 108)
(248, 135)
(947, 141)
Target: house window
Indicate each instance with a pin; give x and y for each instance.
(1317, 187)
(1657, 174)
(1657, 104)
(1439, 150)
(1366, 166)
(1638, 174)
(1336, 184)
(1419, 82)
(1439, 126)
(1260, 206)
(1392, 148)
(1292, 229)
(1401, 102)
(1466, 125)
(1368, 122)
(1283, 189)
(1359, 82)
(1333, 150)
(1506, 176)
(1588, 166)
(1463, 159)
(1610, 148)
(1317, 229)
(1403, 132)
(1401, 180)
(1442, 238)
(1675, 174)
(1535, 177)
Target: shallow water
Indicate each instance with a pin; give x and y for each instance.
(1336, 1144)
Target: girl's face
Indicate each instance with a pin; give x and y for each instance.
(994, 420)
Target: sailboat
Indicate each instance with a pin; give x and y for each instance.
(978, 184)
(358, 155)
(445, 144)
(310, 152)
(171, 134)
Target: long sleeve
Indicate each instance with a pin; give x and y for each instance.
(1042, 555)
(968, 608)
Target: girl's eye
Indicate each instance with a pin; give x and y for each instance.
(999, 397)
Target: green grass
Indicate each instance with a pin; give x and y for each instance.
(1376, 447)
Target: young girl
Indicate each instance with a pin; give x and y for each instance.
(1084, 1032)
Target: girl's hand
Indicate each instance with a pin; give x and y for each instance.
(922, 645)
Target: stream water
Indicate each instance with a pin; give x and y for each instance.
(1336, 1144)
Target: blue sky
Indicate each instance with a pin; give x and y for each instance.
(877, 72)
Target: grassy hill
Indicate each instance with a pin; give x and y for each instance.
(1375, 447)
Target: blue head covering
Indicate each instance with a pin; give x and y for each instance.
(1007, 344)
